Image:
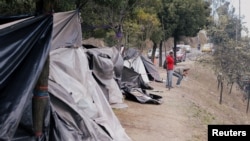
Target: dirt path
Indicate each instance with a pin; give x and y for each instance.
(185, 112)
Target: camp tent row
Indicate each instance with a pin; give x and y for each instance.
(83, 83)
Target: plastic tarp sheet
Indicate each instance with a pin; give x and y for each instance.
(143, 97)
(118, 64)
(69, 69)
(133, 60)
(135, 89)
(67, 30)
(103, 62)
(151, 70)
(12, 23)
(24, 49)
(137, 65)
(78, 109)
(132, 79)
(69, 121)
(9, 19)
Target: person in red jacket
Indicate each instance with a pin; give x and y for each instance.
(170, 69)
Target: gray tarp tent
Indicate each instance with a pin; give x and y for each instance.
(69, 68)
(106, 65)
(144, 66)
(135, 78)
(78, 109)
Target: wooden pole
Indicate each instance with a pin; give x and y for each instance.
(248, 98)
(221, 91)
(247, 103)
(40, 101)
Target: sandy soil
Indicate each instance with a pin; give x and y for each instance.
(186, 111)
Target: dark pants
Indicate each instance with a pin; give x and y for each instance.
(179, 76)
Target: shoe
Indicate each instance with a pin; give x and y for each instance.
(178, 86)
(169, 87)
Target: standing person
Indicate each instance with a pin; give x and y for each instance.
(180, 73)
(169, 68)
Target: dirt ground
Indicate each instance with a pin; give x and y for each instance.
(186, 111)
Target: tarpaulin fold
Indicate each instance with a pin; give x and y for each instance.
(23, 51)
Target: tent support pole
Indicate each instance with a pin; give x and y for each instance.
(40, 100)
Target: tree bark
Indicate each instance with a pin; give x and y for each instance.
(153, 52)
(221, 91)
(175, 42)
(160, 54)
(40, 101)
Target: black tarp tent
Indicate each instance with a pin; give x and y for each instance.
(24, 49)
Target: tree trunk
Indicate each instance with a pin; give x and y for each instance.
(221, 91)
(175, 42)
(160, 54)
(153, 52)
(231, 87)
(40, 101)
(248, 99)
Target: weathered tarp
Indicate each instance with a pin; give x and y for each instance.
(81, 95)
(67, 30)
(24, 49)
(104, 62)
(135, 77)
(9, 19)
(132, 79)
(135, 88)
(151, 70)
(77, 100)
(137, 65)
(77, 110)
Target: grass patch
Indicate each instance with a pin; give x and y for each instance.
(201, 115)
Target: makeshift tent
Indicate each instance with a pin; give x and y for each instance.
(78, 109)
(142, 65)
(133, 60)
(134, 78)
(135, 88)
(105, 65)
(24, 49)
(151, 70)
(69, 68)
